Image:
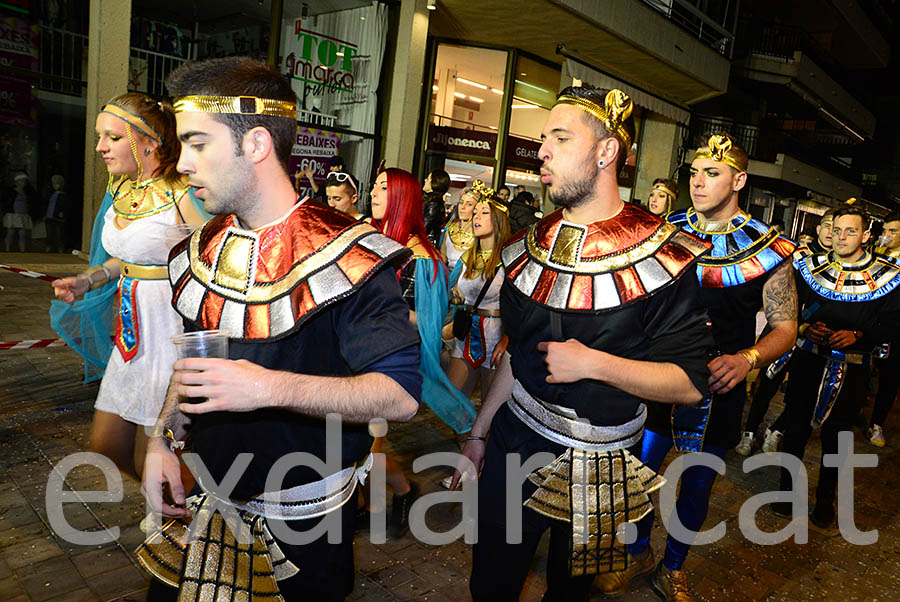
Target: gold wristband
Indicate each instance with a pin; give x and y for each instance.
(751, 355)
(98, 283)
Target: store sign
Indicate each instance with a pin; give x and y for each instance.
(18, 48)
(324, 62)
(523, 151)
(457, 140)
(313, 149)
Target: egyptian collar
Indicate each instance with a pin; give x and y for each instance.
(601, 266)
(868, 279)
(743, 248)
(262, 284)
(134, 200)
(460, 239)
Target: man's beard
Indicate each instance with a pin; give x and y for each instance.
(235, 192)
(576, 192)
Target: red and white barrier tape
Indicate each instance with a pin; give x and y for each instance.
(33, 344)
(28, 273)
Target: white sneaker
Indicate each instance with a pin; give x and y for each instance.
(876, 436)
(772, 440)
(745, 447)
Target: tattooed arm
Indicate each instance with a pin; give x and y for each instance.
(780, 307)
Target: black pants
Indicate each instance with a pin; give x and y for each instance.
(326, 570)
(803, 387)
(888, 382)
(499, 568)
(760, 404)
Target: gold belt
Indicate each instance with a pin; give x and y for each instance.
(144, 272)
(487, 313)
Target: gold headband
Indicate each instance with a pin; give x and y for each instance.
(666, 190)
(135, 120)
(236, 105)
(618, 108)
(719, 149)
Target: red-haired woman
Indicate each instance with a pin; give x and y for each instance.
(397, 212)
(146, 199)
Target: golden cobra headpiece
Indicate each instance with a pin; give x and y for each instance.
(486, 195)
(236, 105)
(719, 150)
(617, 108)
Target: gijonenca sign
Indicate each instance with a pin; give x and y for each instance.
(323, 61)
(457, 140)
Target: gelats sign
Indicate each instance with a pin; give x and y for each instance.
(321, 61)
(523, 151)
(457, 140)
(313, 149)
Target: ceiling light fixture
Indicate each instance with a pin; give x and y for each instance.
(431, 5)
(518, 81)
(459, 95)
(463, 80)
(476, 99)
(497, 92)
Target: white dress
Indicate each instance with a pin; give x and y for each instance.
(135, 390)
(490, 325)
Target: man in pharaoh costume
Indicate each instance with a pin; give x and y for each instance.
(748, 268)
(849, 307)
(317, 327)
(602, 313)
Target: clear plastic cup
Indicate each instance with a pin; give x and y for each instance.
(203, 343)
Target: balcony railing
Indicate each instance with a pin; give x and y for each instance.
(714, 25)
(62, 63)
(780, 42)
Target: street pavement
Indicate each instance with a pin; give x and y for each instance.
(45, 415)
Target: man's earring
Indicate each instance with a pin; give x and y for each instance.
(601, 163)
(147, 151)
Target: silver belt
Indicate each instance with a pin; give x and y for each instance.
(305, 501)
(563, 425)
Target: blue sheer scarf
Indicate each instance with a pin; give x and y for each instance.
(445, 400)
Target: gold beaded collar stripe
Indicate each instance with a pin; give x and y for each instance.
(719, 150)
(617, 109)
(236, 105)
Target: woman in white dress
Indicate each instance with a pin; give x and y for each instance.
(471, 357)
(146, 201)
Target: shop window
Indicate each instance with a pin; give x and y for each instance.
(334, 62)
(468, 88)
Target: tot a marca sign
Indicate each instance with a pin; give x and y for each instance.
(324, 62)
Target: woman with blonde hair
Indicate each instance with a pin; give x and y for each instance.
(143, 214)
(479, 285)
(458, 235)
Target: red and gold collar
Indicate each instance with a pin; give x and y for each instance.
(262, 284)
(601, 266)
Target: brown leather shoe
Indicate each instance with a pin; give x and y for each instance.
(671, 585)
(615, 584)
